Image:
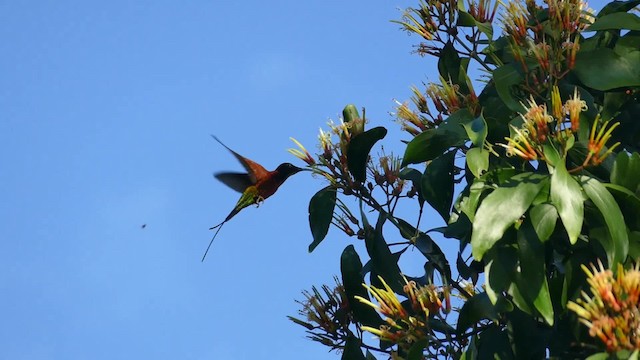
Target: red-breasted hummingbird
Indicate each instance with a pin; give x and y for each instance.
(256, 184)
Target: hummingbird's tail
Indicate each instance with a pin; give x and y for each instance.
(219, 226)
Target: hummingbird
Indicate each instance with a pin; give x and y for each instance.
(256, 184)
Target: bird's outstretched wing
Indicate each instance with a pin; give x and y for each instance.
(255, 171)
(237, 181)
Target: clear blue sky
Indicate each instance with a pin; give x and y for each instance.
(105, 114)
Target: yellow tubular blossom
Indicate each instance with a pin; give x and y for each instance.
(612, 311)
(598, 140)
(574, 106)
(302, 153)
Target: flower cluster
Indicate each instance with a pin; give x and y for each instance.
(540, 126)
(446, 98)
(405, 326)
(545, 50)
(612, 311)
(327, 315)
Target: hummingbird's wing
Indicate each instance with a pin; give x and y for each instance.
(237, 181)
(255, 170)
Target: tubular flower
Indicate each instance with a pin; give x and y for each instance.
(571, 50)
(556, 104)
(326, 314)
(574, 106)
(520, 145)
(325, 144)
(535, 120)
(598, 140)
(408, 118)
(445, 97)
(419, 21)
(514, 21)
(612, 312)
(481, 10)
(302, 153)
(403, 328)
(389, 305)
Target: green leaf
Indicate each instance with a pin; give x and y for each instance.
(425, 244)
(469, 204)
(532, 281)
(622, 70)
(501, 209)
(415, 353)
(449, 63)
(477, 131)
(415, 177)
(320, 214)
(370, 356)
(612, 215)
(629, 205)
(352, 279)
(567, 197)
(433, 142)
(616, 21)
(618, 6)
(500, 269)
(626, 171)
(477, 161)
(478, 307)
(437, 184)
(358, 151)
(544, 218)
(384, 263)
(599, 356)
(505, 78)
(352, 350)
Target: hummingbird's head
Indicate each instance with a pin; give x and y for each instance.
(287, 169)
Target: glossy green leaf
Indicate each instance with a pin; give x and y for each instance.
(358, 151)
(352, 280)
(500, 269)
(567, 197)
(433, 142)
(494, 343)
(477, 161)
(612, 215)
(416, 351)
(629, 204)
(477, 131)
(469, 204)
(616, 21)
(544, 218)
(626, 171)
(622, 70)
(384, 263)
(505, 78)
(320, 214)
(618, 6)
(425, 244)
(532, 280)
(478, 307)
(599, 356)
(352, 350)
(437, 184)
(415, 177)
(449, 63)
(501, 209)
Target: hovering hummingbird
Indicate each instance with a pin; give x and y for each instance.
(256, 185)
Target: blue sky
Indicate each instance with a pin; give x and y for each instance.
(105, 115)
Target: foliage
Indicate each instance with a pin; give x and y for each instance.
(536, 175)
